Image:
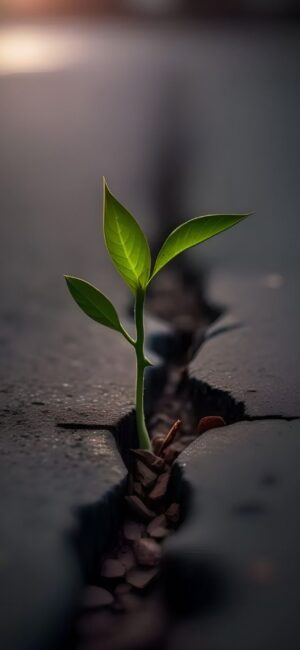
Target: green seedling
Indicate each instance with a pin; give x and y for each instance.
(130, 253)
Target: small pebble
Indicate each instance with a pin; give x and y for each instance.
(138, 489)
(126, 557)
(158, 527)
(141, 578)
(139, 508)
(160, 488)
(170, 454)
(122, 588)
(112, 569)
(147, 551)
(172, 513)
(210, 422)
(145, 475)
(133, 530)
(127, 602)
(152, 461)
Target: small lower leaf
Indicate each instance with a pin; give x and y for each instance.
(94, 304)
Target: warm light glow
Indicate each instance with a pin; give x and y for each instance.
(25, 49)
(29, 5)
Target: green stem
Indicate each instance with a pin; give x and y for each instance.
(144, 440)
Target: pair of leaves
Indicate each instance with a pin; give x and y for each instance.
(130, 253)
(129, 249)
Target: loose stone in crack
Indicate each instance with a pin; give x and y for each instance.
(137, 489)
(133, 530)
(210, 422)
(122, 588)
(170, 454)
(158, 527)
(126, 557)
(147, 551)
(155, 463)
(160, 488)
(141, 577)
(145, 475)
(94, 597)
(139, 508)
(125, 599)
(127, 602)
(112, 569)
(173, 512)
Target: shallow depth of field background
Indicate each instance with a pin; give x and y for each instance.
(185, 107)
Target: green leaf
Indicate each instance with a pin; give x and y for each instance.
(126, 243)
(191, 233)
(95, 304)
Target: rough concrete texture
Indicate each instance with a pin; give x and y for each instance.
(53, 483)
(251, 351)
(232, 570)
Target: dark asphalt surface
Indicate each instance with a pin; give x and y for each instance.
(253, 353)
(234, 565)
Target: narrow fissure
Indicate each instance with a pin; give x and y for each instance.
(123, 607)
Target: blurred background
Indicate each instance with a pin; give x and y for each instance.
(186, 107)
(167, 8)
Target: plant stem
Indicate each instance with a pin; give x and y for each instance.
(143, 436)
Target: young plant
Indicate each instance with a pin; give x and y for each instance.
(130, 253)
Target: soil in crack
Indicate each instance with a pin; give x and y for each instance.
(124, 608)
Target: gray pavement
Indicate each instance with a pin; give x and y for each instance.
(253, 349)
(232, 570)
